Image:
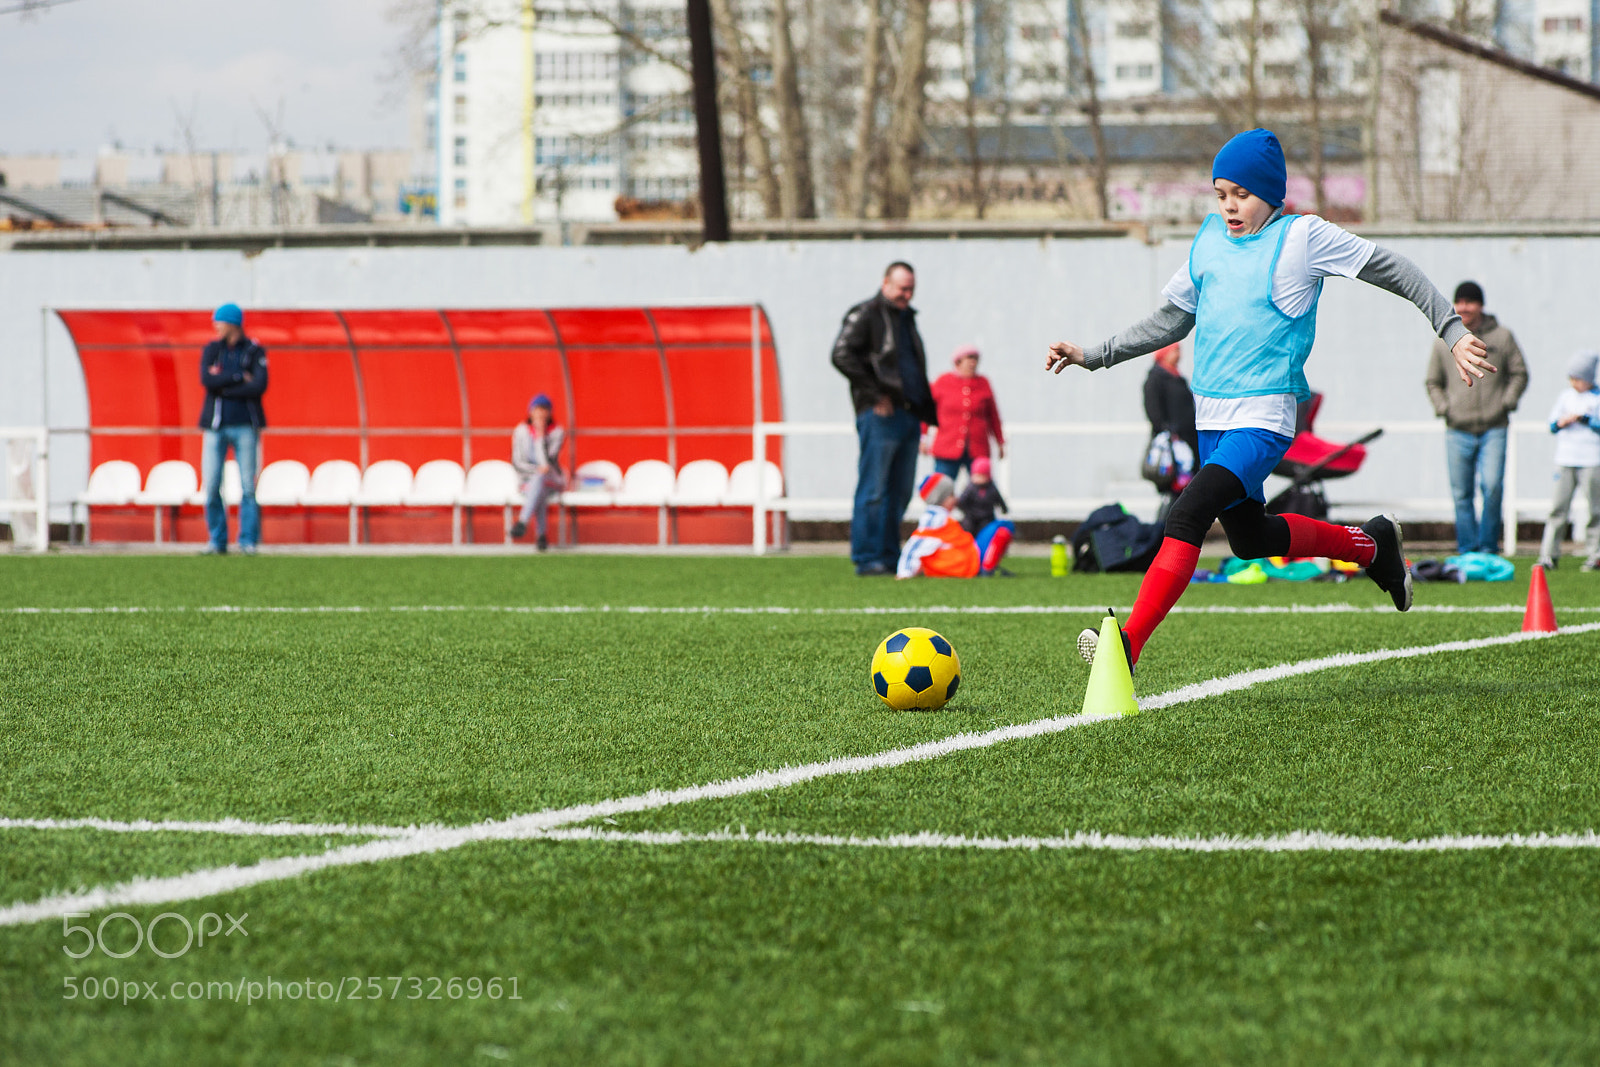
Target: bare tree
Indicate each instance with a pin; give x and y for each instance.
(867, 114)
(1089, 79)
(795, 187)
(908, 103)
(736, 49)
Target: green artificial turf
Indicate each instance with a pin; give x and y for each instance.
(747, 952)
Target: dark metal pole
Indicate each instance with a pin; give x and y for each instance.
(708, 125)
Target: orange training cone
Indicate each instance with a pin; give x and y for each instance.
(1540, 618)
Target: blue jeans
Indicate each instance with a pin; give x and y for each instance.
(246, 442)
(887, 469)
(950, 468)
(1477, 458)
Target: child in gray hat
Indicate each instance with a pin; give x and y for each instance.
(1575, 420)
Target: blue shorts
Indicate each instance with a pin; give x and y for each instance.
(1248, 454)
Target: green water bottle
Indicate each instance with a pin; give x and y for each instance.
(1058, 556)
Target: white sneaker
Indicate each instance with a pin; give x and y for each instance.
(1089, 643)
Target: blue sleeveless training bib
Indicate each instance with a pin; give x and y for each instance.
(1243, 345)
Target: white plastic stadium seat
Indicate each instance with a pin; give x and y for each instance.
(648, 483)
(283, 484)
(700, 484)
(232, 487)
(742, 485)
(594, 485)
(171, 483)
(334, 484)
(113, 482)
(438, 484)
(384, 484)
(491, 483)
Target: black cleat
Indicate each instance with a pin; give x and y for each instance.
(1388, 568)
(1089, 643)
(518, 529)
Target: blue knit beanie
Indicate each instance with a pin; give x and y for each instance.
(229, 313)
(541, 401)
(1254, 159)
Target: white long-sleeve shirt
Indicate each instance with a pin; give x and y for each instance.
(1577, 445)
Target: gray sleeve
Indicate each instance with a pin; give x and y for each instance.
(1394, 272)
(1167, 326)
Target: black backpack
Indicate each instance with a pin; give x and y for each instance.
(1112, 540)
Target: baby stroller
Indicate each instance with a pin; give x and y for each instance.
(1310, 461)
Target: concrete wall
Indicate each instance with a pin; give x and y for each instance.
(1012, 298)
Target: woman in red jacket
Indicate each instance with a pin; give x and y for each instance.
(968, 417)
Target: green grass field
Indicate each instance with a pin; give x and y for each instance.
(694, 932)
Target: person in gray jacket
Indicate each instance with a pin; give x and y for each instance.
(536, 455)
(1477, 419)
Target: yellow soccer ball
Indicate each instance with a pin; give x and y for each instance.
(915, 668)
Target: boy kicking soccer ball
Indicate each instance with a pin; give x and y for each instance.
(1249, 291)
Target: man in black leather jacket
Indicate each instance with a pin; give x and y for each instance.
(880, 351)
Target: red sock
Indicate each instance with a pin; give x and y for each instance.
(1163, 584)
(1308, 537)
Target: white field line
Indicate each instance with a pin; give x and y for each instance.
(204, 883)
(932, 609)
(1298, 841)
(234, 827)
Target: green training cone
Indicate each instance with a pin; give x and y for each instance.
(1110, 689)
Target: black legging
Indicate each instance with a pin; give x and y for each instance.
(1252, 533)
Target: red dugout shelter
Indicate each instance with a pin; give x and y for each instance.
(628, 384)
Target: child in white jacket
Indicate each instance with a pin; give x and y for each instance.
(1575, 420)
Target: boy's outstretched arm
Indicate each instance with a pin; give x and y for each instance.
(1394, 272)
(1167, 326)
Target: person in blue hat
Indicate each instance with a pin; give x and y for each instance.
(233, 370)
(536, 455)
(1249, 293)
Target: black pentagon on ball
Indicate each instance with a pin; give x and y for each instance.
(897, 641)
(940, 645)
(955, 683)
(880, 684)
(918, 679)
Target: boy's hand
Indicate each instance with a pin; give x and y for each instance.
(1063, 354)
(1469, 353)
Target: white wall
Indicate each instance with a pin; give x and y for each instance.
(1010, 297)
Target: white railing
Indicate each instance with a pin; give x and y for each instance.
(1512, 507)
(25, 491)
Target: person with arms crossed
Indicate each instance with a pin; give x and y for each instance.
(1249, 292)
(233, 371)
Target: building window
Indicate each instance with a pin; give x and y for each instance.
(461, 111)
(1439, 121)
(1135, 71)
(461, 67)
(461, 192)
(461, 152)
(1280, 70)
(575, 66)
(1135, 30)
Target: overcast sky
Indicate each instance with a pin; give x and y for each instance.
(77, 76)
